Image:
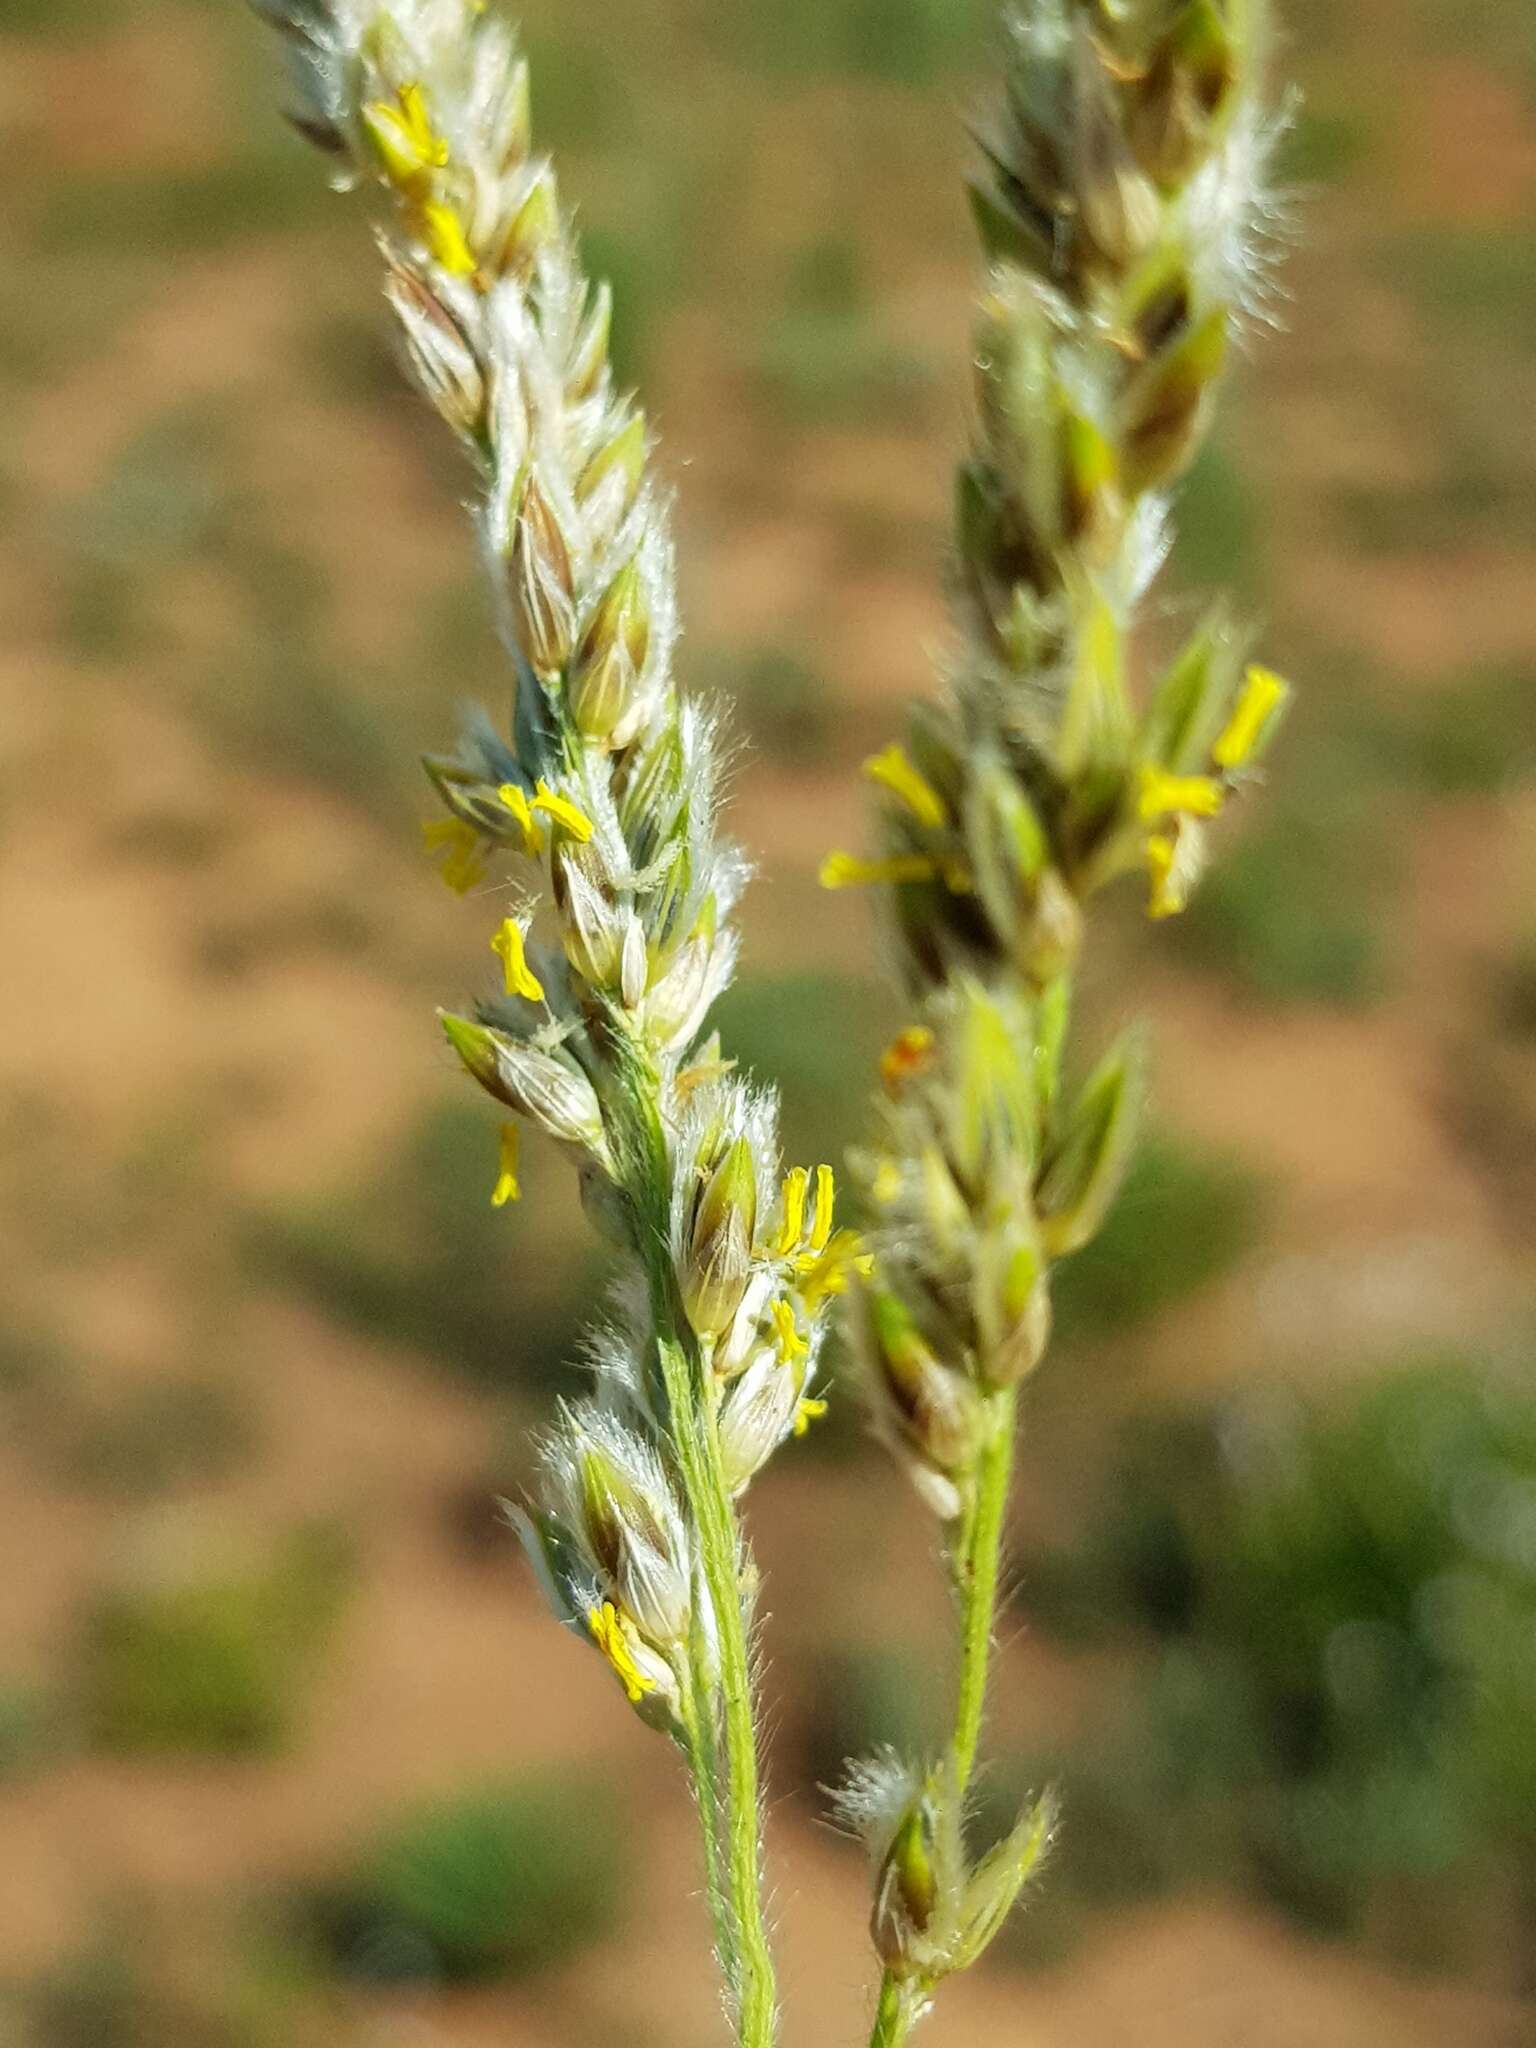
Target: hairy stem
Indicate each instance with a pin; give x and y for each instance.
(977, 1564)
(698, 1446)
(895, 2014)
(743, 1799)
(703, 1767)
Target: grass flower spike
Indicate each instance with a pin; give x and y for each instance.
(593, 809)
(1121, 205)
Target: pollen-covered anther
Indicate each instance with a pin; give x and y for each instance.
(829, 1272)
(823, 1211)
(560, 810)
(1175, 859)
(809, 1409)
(444, 232)
(409, 152)
(796, 1187)
(893, 770)
(792, 1342)
(517, 802)
(509, 945)
(850, 871)
(508, 1188)
(609, 1635)
(1161, 795)
(1255, 716)
(465, 867)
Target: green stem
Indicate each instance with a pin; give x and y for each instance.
(895, 2014)
(697, 1440)
(977, 1564)
(743, 1806)
(729, 1798)
(703, 1768)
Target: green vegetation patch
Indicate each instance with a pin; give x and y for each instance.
(818, 1038)
(1296, 909)
(1333, 1616)
(210, 1660)
(1472, 281)
(421, 1259)
(821, 353)
(865, 1698)
(784, 706)
(1220, 534)
(171, 1432)
(1322, 146)
(1183, 1220)
(61, 20)
(135, 1981)
(1472, 735)
(1515, 991)
(909, 42)
(30, 1731)
(496, 1882)
(167, 213)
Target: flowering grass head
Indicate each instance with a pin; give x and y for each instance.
(1121, 203)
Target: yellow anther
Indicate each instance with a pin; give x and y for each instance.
(444, 235)
(910, 1053)
(808, 1411)
(847, 871)
(521, 979)
(826, 1202)
(418, 126)
(887, 1185)
(796, 1186)
(787, 1330)
(1161, 795)
(507, 1187)
(516, 801)
(608, 1634)
(894, 771)
(464, 868)
(562, 812)
(1168, 895)
(403, 137)
(828, 1274)
(1262, 695)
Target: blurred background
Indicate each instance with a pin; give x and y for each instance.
(289, 1752)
